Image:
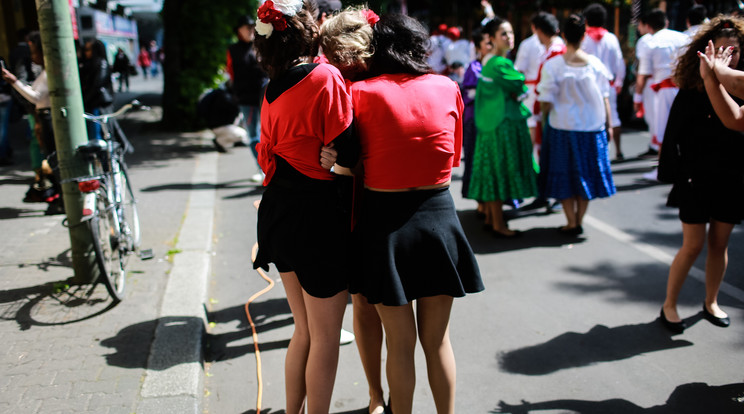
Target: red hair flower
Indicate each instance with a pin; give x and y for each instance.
(269, 15)
(371, 17)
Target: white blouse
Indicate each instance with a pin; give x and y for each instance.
(576, 92)
(38, 93)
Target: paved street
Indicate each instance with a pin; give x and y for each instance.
(564, 325)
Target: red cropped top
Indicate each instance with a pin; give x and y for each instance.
(410, 129)
(308, 115)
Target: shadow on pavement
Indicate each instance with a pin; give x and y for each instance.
(132, 344)
(53, 303)
(266, 316)
(483, 242)
(600, 344)
(255, 189)
(693, 398)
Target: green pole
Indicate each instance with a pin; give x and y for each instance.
(60, 61)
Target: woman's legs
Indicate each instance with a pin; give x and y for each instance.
(582, 205)
(569, 209)
(400, 332)
(574, 208)
(693, 239)
(312, 355)
(496, 209)
(299, 345)
(368, 332)
(433, 315)
(715, 264)
(324, 318)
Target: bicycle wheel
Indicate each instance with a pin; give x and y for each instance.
(128, 216)
(106, 246)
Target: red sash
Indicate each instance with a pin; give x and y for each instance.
(666, 83)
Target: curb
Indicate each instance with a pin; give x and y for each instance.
(173, 379)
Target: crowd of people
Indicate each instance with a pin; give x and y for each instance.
(537, 127)
(24, 90)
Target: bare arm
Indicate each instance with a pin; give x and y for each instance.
(711, 65)
(731, 79)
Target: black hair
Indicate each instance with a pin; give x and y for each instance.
(244, 21)
(656, 19)
(574, 28)
(493, 25)
(476, 35)
(35, 39)
(98, 49)
(546, 23)
(696, 14)
(286, 48)
(595, 14)
(401, 46)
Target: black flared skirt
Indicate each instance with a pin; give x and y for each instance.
(410, 245)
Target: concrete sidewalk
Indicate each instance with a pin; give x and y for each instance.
(70, 351)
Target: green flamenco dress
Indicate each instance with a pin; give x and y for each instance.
(503, 166)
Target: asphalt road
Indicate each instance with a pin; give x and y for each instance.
(564, 325)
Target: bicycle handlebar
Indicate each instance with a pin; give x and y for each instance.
(135, 104)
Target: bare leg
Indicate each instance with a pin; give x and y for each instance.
(581, 206)
(570, 210)
(400, 331)
(433, 327)
(497, 218)
(368, 331)
(324, 317)
(715, 264)
(299, 346)
(616, 138)
(693, 239)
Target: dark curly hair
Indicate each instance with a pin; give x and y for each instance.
(687, 71)
(286, 48)
(401, 46)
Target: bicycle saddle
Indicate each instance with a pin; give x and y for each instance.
(93, 146)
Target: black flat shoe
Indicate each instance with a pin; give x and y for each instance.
(722, 322)
(571, 231)
(499, 235)
(675, 327)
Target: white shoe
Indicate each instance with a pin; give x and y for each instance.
(652, 175)
(258, 177)
(346, 337)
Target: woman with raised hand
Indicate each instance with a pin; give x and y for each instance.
(301, 218)
(346, 40)
(702, 158)
(503, 168)
(410, 244)
(574, 162)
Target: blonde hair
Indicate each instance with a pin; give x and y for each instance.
(346, 39)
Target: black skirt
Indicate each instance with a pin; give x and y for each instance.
(410, 245)
(305, 229)
(702, 198)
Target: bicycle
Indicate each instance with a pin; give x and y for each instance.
(109, 205)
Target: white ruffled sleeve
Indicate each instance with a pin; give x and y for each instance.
(548, 87)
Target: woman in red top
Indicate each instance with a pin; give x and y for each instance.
(301, 219)
(410, 242)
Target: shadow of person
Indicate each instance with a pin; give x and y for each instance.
(267, 315)
(600, 344)
(693, 398)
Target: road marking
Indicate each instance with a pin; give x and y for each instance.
(658, 254)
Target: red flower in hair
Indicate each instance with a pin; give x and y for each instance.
(269, 15)
(371, 17)
(727, 25)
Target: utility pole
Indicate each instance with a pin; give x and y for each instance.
(60, 61)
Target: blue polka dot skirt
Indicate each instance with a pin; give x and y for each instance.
(575, 163)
